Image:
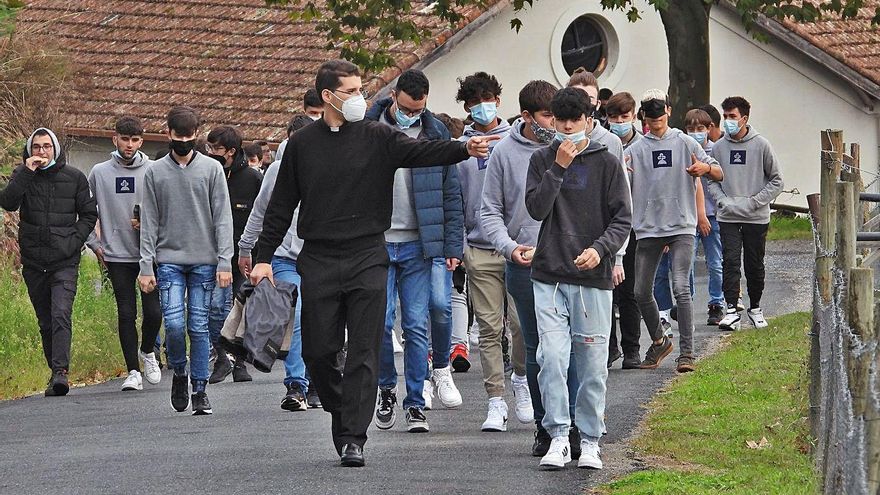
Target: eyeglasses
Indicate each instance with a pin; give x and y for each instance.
(353, 92)
(46, 148)
(215, 149)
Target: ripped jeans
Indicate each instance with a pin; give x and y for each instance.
(573, 318)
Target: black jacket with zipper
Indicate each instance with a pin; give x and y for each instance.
(244, 185)
(57, 213)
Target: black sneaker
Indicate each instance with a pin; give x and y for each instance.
(385, 415)
(59, 384)
(222, 368)
(240, 373)
(632, 361)
(416, 422)
(294, 400)
(180, 392)
(201, 405)
(716, 314)
(574, 440)
(312, 398)
(656, 353)
(613, 356)
(542, 443)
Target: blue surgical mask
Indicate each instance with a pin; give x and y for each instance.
(404, 121)
(575, 138)
(621, 129)
(731, 127)
(699, 137)
(484, 113)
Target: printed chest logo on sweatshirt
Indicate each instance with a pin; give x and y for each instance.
(575, 177)
(125, 185)
(737, 157)
(662, 158)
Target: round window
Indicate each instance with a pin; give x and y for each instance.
(584, 45)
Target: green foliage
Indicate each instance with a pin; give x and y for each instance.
(95, 351)
(697, 430)
(787, 227)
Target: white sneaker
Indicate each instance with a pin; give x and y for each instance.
(398, 349)
(524, 412)
(428, 394)
(446, 391)
(152, 372)
(133, 382)
(757, 317)
(496, 419)
(559, 454)
(589, 455)
(731, 320)
(474, 336)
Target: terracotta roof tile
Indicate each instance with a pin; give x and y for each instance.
(237, 61)
(855, 42)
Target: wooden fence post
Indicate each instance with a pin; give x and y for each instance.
(832, 157)
(815, 355)
(846, 228)
(869, 365)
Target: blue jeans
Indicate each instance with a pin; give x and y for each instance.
(185, 292)
(518, 280)
(221, 305)
(409, 277)
(441, 313)
(712, 249)
(577, 319)
(662, 287)
(284, 269)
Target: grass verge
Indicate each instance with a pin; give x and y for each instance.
(95, 351)
(786, 228)
(755, 387)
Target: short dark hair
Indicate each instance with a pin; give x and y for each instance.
(713, 114)
(297, 123)
(129, 126)
(253, 150)
(183, 120)
(697, 117)
(536, 96)
(311, 98)
(477, 86)
(262, 143)
(737, 102)
(227, 136)
(605, 93)
(583, 77)
(571, 104)
(414, 83)
(330, 72)
(453, 124)
(619, 104)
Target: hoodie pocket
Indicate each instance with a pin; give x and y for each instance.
(662, 213)
(527, 236)
(122, 242)
(737, 206)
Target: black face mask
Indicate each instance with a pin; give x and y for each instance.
(219, 158)
(182, 148)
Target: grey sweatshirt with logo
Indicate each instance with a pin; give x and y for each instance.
(663, 193)
(186, 217)
(752, 179)
(471, 174)
(117, 186)
(292, 244)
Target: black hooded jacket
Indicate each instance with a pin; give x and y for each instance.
(57, 212)
(244, 185)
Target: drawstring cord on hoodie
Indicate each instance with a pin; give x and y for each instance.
(580, 293)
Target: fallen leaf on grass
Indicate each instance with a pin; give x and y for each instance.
(762, 444)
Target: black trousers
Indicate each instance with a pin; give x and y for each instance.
(344, 287)
(625, 299)
(743, 244)
(52, 294)
(123, 277)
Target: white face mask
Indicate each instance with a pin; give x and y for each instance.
(315, 117)
(353, 109)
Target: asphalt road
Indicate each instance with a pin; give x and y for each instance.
(101, 440)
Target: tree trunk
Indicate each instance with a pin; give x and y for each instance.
(687, 33)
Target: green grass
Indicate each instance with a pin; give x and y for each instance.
(756, 386)
(95, 350)
(785, 228)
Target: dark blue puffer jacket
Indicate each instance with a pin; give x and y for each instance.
(436, 193)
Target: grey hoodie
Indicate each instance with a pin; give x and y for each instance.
(471, 174)
(118, 186)
(505, 220)
(291, 245)
(186, 216)
(664, 195)
(604, 137)
(752, 179)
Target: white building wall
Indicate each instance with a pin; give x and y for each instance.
(84, 153)
(793, 98)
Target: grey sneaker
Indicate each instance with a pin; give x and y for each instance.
(685, 364)
(656, 353)
(385, 415)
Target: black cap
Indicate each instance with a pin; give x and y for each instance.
(653, 108)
